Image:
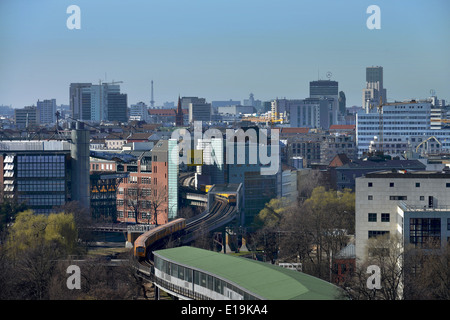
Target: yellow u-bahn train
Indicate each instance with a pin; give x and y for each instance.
(231, 198)
(148, 238)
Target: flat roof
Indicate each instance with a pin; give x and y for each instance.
(268, 281)
(410, 174)
(226, 187)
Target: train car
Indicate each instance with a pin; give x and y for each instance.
(147, 238)
(231, 198)
(205, 188)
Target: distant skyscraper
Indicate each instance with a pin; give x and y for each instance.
(117, 107)
(374, 91)
(326, 89)
(28, 116)
(102, 102)
(323, 88)
(179, 114)
(342, 103)
(46, 111)
(80, 101)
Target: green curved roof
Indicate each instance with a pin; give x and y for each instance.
(268, 281)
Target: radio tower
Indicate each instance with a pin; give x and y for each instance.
(152, 102)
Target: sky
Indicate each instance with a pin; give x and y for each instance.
(222, 49)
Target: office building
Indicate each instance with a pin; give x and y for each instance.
(411, 204)
(102, 102)
(117, 107)
(400, 128)
(374, 93)
(80, 100)
(165, 180)
(139, 112)
(200, 112)
(47, 173)
(46, 110)
(312, 113)
(26, 117)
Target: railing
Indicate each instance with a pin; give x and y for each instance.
(408, 207)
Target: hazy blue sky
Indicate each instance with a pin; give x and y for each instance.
(221, 49)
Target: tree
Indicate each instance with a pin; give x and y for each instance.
(319, 227)
(271, 214)
(9, 208)
(386, 253)
(427, 274)
(31, 231)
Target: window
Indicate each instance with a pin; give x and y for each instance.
(385, 217)
(425, 231)
(422, 198)
(370, 184)
(391, 184)
(369, 197)
(376, 233)
(417, 184)
(372, 217)
(398, 198)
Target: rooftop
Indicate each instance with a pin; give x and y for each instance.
(263, 279)
(444, 174)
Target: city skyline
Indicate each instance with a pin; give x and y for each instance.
(221, 50)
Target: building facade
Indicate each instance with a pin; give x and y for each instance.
(401, 122)
(413, 205)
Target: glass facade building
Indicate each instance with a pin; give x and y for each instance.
(40, 179)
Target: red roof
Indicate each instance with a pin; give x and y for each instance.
(294, 130)
(342, 127)
(165, 112)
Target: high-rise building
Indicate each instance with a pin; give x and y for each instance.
(199, 112)
(342, 103)
(323, 88)
(165, 179)
(139, 111)
(80, 100)
(46, 110)
(327, 89)
(101, 102)
(117, 107)
(26, 117)
(311, 113)
(374, 93)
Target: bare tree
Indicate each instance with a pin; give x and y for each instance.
(385, 253)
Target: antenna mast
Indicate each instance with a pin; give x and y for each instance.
(152, 102)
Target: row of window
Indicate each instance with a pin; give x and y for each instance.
(385, 217)
(41, 159)
(198, 278)
(40, 185)
(392, 184)
(43, 199)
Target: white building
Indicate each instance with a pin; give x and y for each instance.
(413, 205)
(402, 124)
(139, 112)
